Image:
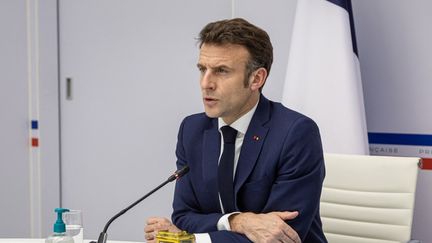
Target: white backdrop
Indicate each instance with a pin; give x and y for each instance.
(395, 57)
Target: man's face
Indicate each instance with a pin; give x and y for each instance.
(222, 81)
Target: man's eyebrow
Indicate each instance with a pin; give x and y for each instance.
(214, 67)
(221, 66)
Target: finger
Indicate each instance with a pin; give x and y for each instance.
(156, 227)
(287, 215)
(293, 238)
(163, 225)
(281, 231)
(297, 239)
(291, 234)
(286, 232)
(152, 220)
(283, 238)
(149, 237)
(155, 220)
(149, 229)
(280, 236)
(173, 228)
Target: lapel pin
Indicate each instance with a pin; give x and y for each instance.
(256, 138)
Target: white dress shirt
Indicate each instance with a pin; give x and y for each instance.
(241, 125)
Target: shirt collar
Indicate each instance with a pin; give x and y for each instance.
(241, 124)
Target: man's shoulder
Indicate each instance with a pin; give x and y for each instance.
(198, 118)
(283, 114)
(198, 121)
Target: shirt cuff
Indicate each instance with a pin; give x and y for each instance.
(202, 238)
(223, 223)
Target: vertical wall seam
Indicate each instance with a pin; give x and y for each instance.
(33, 77)
(29, 86)
(59, 105)
(36, 113)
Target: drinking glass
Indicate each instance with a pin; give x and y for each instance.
(74, 226)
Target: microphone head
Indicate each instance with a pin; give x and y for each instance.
(183, 171)
(179, 173)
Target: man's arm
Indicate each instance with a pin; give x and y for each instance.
(297, 186)
(300, 176)
(270, 227)
(187, 216)
(188, 213)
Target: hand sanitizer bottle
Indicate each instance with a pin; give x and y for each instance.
(59, 235)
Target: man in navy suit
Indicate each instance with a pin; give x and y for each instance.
(278, 165)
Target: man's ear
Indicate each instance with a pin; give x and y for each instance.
(258, 78)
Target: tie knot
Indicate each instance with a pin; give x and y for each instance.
(229, 134)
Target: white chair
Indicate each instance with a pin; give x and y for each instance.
(368, 199)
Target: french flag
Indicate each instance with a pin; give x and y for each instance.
(323, 78)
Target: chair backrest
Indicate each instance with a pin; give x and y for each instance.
(368, 199)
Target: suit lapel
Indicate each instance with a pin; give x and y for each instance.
(252, 143)
(210, 157)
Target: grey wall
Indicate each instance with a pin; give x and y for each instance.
(48, 116)
(29, 177)
(395, 57)
(14, 154)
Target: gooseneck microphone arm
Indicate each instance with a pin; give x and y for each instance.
(179, 173)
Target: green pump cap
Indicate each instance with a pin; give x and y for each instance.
(59, 226)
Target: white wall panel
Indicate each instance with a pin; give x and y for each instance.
(395, 56)
(134, 77)
(29, 177)
(48, 112)
(14, 152)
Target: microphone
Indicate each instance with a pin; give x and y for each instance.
(176, 175)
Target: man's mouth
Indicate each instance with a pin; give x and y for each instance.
(209, 101)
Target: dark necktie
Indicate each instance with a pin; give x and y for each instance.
(226, 169)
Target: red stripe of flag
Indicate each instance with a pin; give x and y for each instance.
(35, 142)
(426, 164)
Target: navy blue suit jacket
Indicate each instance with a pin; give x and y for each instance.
(282, 170)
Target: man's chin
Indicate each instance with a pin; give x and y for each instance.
(211, 114)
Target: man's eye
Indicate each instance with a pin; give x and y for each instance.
(201, 69)
(221, 70)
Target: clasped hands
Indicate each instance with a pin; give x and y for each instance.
(261, 228)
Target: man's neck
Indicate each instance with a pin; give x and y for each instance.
(242, 123)
(247, 108)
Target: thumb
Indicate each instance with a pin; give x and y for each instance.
(287, 215)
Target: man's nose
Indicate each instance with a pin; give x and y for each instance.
(207, 81)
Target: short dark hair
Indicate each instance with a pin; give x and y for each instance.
(241, 32)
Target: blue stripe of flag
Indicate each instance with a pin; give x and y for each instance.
(400, 139)
(341, 3)
(346, 4)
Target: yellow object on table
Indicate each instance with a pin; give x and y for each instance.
(169, 237)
